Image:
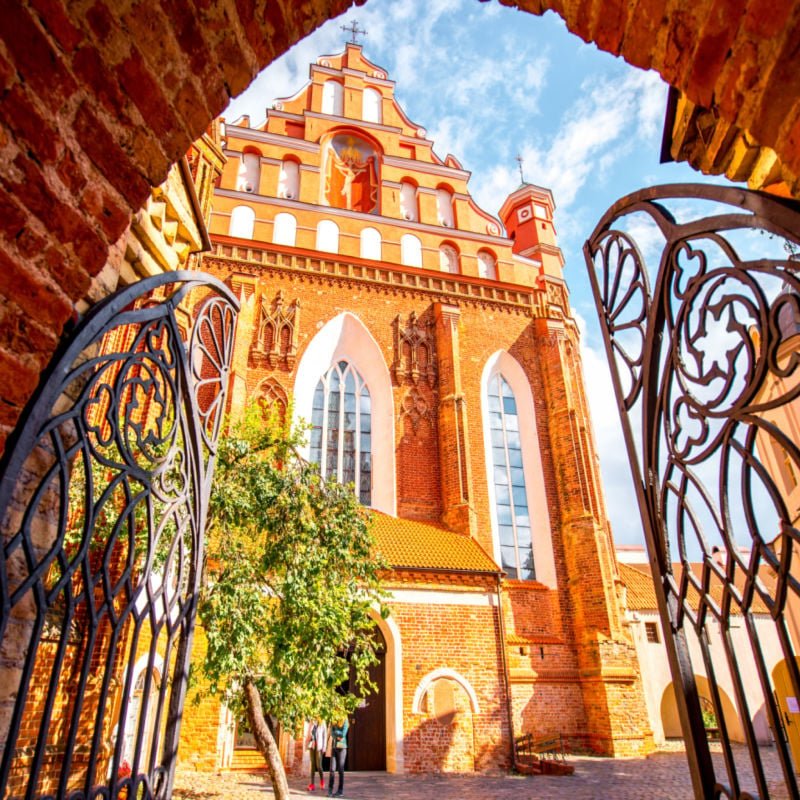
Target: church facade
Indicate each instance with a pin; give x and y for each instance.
(432, 349)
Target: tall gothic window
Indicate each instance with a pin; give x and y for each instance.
(511, 498)
(341, 429)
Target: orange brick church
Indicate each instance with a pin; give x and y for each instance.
(432, 349)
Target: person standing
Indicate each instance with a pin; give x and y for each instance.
(338, 739)
(315, 743)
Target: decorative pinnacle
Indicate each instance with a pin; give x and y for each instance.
(353, 30)
(520, 162)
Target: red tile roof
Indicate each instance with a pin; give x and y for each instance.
(642, 595)
(411, 544)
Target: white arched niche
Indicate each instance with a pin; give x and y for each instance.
(249, 175)
(327, 236)
(506, 365)
(344, 338)
(370, 244)
(289, 180)
(333, 98)
(371, 100)
(410, 250)
(449, 674)
(409, 209)
(284, 229)
(243, 221)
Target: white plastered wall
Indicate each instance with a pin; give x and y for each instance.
(505, 364)
(345, 338)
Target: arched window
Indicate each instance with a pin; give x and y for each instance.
(371, 244)
(487, 266)
(408, 201)
(410, 250)
(333, 98)
(448, 258)
(341, 417)
(327, 236)
(289, 180)
(249, 172)
(371, 106)
(508, 476)
(284, 230)
(243, 220)
(444, 207)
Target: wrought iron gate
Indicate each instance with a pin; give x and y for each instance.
(103, 501)
(705, 361)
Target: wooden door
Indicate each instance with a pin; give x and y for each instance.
(789, 704)
(367, 736)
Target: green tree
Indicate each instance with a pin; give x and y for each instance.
(292, 578)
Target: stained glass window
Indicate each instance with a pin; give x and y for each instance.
(511, 498)
(341, 429)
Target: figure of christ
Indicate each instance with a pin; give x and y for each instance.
(352, 182)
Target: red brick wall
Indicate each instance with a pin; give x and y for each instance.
(201, 721)
(463, 639)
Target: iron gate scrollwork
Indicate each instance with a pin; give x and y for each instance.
(103, 502)
(705, 361)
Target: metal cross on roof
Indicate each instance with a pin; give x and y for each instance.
(520, 160)
(354, 30)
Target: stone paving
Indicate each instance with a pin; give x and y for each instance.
(662, 776)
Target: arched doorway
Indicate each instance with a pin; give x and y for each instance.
(671, 721)
(367, 736)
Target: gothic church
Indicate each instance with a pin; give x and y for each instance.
(432, 348)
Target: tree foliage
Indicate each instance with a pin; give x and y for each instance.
(292, 578)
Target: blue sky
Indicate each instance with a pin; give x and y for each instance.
(489, 82)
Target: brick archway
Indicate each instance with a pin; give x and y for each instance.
(99, 99)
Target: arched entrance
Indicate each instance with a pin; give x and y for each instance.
(367, 736)
(671, 721)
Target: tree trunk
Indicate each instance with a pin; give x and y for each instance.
(265, 741)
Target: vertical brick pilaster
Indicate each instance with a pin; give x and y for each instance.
(609, 675)
(458, 512)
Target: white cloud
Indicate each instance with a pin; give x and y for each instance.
(614, 465)
(595, 133)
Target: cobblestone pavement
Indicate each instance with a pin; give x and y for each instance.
(663, 776)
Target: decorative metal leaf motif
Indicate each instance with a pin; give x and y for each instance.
(103, 500)
(700, 395)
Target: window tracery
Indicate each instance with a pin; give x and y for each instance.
(341, 428)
